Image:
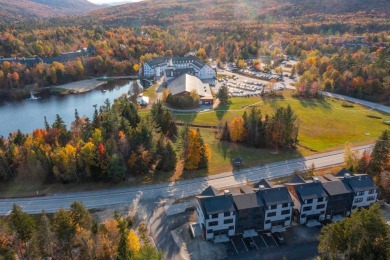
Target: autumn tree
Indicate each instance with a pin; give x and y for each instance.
(350, 158)
(196, 153)
(237, 129)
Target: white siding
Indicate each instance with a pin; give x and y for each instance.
(220, 225)
(206, 72)
(278, 216)
(365, 199)
(313, 210)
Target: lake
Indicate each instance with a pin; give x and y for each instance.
(28, 115)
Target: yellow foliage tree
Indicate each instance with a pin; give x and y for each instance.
(237, 129)
(136, 67)
(193, 151)
(133, 241)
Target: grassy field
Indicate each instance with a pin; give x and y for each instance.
(323, 124)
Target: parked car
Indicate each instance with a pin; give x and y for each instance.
(278, 238)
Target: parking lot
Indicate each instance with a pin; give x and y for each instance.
(239, 245)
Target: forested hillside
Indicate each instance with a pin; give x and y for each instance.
(336, 15)
(18, 9)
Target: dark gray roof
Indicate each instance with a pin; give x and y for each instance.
(247, 201)
(246, 189)
(263, 182)
(343, 172)
(29, 62)
(217, 204)
(296, 179)
(311, 190)
(64, 57)
(274, 196)
(176, 60)
(330, 177)
(210, 191)
(335, 187)
(233, 191)
(178, 72)
(360, 183)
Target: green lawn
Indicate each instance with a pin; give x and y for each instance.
(323, 124)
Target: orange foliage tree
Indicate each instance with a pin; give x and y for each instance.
(237, 129)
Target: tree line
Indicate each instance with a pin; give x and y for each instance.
(278, 131)
(376, 163)
(72, 234)
(114, 144)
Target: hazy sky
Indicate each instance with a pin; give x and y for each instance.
(111, 1)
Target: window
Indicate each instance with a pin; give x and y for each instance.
(273, 206)
(371, 191)
(360, 193)
(310, 201)
(371, 198)
(214, 216)
(308, 208)
(209, 231)
(321, 206)
(228, 221)
(322, 212)
(231, 227)
(284, 205)
(267, 221)
(359, 200)
(287, 218)
(271, 214)
(303, 215)
(320, 199)
(226, 214)
(213, 223)
(285, 212)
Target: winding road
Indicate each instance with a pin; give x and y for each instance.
(179, 189)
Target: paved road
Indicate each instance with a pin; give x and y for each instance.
(382, 108)
(180, 189)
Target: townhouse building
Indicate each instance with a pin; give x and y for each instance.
(364, 190)
(267, 208)
(278, 206)
(216, 214)
(309, 198)
(340, 197)
(250, 213)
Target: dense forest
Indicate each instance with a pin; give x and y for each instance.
(72, 234)
(128, 35)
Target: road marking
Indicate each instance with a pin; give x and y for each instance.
(254, 243)
(276, 243)
(244, 245)
(235, 248)
(264, 241)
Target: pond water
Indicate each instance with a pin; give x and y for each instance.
(28, 115)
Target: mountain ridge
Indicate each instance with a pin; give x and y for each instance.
(44, 8)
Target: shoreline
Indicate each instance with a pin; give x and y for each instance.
(77, 87)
